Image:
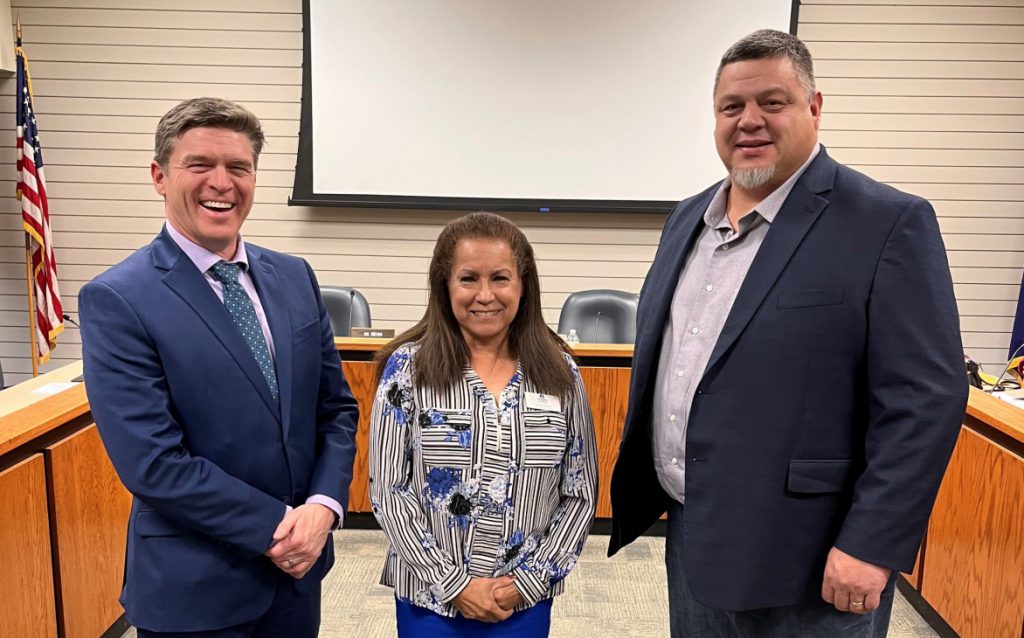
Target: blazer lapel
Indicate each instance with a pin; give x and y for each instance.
(191, 285)
(802, 208)
(275, 306)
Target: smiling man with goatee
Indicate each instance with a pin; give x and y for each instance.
(798, 380)
(212, 375)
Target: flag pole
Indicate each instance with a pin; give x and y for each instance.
(30, 279)
(29, 275)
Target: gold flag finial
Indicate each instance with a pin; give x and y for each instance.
(17, 31)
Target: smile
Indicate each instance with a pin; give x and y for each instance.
(219, 207)
(485, 313)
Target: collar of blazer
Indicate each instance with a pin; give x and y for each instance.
(182, 277)
(802, 208)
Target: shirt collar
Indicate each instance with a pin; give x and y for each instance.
(769, 207)
(203, 258)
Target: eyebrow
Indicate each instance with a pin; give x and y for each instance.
(188, 159)
(728, 97)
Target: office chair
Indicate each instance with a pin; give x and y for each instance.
(347, 307)
(2, 385)
(600, 316)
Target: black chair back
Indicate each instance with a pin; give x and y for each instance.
(347, 308)
(600, 316)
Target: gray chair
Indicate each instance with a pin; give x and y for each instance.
(600, 316)
(347, 308)
(2, 386)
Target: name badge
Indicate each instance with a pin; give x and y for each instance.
(535, 401)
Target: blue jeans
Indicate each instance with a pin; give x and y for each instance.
(688, 618)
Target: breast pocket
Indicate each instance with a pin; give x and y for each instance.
(544, 435)
(446, 437)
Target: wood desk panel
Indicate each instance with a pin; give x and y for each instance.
(26, 572)
(608, 391)
(974, 557)
(359, 375)
(90, 511)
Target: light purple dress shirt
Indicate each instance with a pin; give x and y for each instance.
(204, 260)
(711, 278)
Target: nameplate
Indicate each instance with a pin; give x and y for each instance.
(374, 333)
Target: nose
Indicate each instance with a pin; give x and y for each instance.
(484, 294)
(751, 118)
(219, 179)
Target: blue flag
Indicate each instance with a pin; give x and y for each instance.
(1017, 339)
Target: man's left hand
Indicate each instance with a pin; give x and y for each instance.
(851, 584)
(300, 537)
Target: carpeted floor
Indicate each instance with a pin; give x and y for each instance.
(618, 597)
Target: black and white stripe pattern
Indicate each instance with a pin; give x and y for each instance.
(464, 486)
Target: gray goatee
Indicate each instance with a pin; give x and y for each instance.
(751, 178)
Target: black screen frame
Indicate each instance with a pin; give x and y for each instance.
(302, 187)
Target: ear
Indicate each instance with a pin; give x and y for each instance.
(816, 102)
(159, 178)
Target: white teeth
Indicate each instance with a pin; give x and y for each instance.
(220, 205)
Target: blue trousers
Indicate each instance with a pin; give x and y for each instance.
(417, 622)
(688, 618)
(291, 614)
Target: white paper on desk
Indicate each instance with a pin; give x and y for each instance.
(53, 388)
(1009, 399)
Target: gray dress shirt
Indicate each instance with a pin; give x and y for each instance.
(711, 278)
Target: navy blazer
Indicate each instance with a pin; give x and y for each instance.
(830, 405)
(188, 420)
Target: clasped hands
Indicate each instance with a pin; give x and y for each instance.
(488, 599)
(851, 584)
(300, 537)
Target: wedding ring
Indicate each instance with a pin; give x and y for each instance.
(856, 604)
(291, 564)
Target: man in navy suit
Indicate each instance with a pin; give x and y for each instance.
(213, 378)
(798, 380)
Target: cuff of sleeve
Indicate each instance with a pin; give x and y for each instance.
(332, 505)
(529, 585)
(450, 586)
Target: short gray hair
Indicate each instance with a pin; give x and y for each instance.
(205, 111)
(769, 43)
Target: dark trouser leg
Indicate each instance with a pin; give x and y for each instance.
(688, 618)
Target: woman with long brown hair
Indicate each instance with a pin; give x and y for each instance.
(483, 470)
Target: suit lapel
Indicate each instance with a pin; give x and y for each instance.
(191, 285)
(270, 289)
(802, 208)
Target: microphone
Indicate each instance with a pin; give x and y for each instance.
(351, 301)
(68, 318)
(597, 328)
(1009, 365)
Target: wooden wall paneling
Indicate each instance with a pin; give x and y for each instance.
(26, 569)
(975, 552)
(608, 390)
(360, 377)
(90, 520)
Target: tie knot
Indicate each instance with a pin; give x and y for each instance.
(227, 273)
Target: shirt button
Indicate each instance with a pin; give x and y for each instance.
(709, 287)
(672, 418)
(675, 461)
(694, 330)
(724, 247)
(680, 373)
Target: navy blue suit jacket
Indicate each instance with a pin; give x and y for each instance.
(831, 402)
(188, 420)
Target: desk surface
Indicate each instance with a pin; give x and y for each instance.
(26, 414)
(618, 350)
(1001, 415)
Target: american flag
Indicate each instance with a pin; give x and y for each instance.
(36, 218)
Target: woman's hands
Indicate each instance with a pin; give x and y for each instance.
(485, 599)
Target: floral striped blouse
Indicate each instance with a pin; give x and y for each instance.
(464, 486)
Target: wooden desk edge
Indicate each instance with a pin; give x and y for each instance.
(996, 413)
(620, 350)
(36, 420)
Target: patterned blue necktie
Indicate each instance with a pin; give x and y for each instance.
(242, 311)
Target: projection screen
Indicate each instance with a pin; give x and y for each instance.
(561, 105)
